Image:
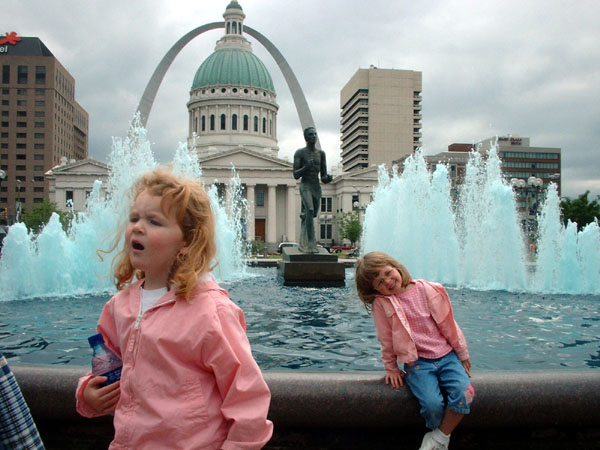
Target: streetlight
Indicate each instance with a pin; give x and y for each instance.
(536, 185)
(525, 190)
(18, 202)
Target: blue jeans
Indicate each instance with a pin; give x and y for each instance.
(437, 382)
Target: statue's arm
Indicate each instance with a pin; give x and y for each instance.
(300, 164)
(325, 178)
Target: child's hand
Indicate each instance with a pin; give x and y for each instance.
(467, 365)
(394, 378)
(103, 399)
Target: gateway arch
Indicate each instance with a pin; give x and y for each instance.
(145, 104)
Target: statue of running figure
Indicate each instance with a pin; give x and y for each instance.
(308, 162)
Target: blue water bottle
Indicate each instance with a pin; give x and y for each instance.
(104, 362)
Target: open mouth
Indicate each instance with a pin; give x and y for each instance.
(137, 246)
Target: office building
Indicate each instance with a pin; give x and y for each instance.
(380, 117)
(41, 124)
(521, 161)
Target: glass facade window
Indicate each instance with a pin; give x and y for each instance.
(22, 74)
(326, 230)
(40, 74)
(326, 204)
(260, 197)
(5, 74)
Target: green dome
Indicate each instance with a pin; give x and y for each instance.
(233, 66)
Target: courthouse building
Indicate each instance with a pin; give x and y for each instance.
(41, 123)
(233, 123)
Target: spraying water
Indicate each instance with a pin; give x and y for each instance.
(65, 263)
(475, 239)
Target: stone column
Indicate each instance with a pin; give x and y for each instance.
(291, 213)
(272, 215)
(250, 230)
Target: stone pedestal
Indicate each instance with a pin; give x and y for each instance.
(311, 269)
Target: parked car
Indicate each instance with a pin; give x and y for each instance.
(354, 253)
(341, 248)
(282, 245)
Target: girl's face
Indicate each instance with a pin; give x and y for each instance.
(388, 281)
(153, 239)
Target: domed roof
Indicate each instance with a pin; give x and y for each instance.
(233, 66)
(233, 5)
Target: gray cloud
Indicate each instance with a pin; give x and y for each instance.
(530, 68)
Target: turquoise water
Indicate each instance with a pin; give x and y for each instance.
(328, 329)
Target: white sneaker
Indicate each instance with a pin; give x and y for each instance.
(431, 443)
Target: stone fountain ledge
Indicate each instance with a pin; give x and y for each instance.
(356, 410)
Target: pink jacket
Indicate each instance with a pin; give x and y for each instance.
(393, 330)
(189, 380)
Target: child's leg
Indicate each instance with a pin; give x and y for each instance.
(421, 377)
(459, 392)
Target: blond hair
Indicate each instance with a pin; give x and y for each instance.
(367, 269)
(190, 204)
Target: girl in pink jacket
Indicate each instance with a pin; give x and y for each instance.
(416, 327)
(189, 380)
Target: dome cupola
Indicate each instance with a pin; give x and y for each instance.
(232, 97)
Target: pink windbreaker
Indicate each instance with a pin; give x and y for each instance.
(393, 330)
(189, 380)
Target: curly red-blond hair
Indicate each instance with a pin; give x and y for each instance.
(191, 206)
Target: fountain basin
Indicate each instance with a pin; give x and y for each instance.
(549, 410)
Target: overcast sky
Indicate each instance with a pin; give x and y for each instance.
(489, 68)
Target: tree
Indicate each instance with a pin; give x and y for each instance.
(39, 216)
(349, 226)
(580, 210)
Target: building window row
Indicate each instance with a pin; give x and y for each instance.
(529, 155)
(527, 174)
(529, 165)
(233, 90)
(263, 125)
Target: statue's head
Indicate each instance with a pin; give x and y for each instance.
(310, 134)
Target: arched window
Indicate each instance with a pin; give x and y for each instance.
(245, 122)
(234, 27)
(203, 123)
(240, 27)
(228, 27)
(212, 122)
(264, 127)
(234, 122)
(223, 121)
(256, 124)
(270, 127)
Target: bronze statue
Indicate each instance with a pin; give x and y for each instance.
(308, 162)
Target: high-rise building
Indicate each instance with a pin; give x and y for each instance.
(41, 124)
(381, 117)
